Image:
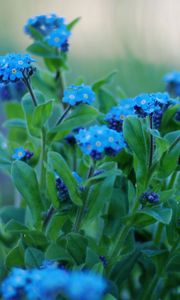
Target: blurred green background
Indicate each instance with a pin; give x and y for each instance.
(138, 38)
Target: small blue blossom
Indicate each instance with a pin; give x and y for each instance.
(52, 28)
(127, 103)
(116, 116)
(172, 81)
(14, 67)
(86, 286)
(151, 197)
(75, 95)
(58, 37)
(98, 140)
(22, 154)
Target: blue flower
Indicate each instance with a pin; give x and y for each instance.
(14, 67)
(52, 28)
(150, 197)
(57, 38)
(14, 91)
(75, 95)
(116, 116)
(172, 81)
(22, 154)
(50, 282)
(13, 286)
(127, 103)
(98, 140)
(86, 286)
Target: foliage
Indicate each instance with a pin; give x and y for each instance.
(111, 210)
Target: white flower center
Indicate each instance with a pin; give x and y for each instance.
(111, 139)
(20, 62)
(71, 96)
(98, 144)
(85, 96)
(143, 101)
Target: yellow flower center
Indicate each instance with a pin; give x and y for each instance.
(122, 117)
(14, 71)
(20, 154)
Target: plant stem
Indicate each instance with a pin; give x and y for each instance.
(48, 216)
(60, 82)
(151, 143)
(63, 115)
(28, 85)
(81, 210)
(43, 160)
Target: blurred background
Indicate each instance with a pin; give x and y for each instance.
(138, 38)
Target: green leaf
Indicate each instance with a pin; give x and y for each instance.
(122, 269)
(76, 246)
(8, 213)
(109, 297)
(35, 238)
(58, 253)
(33, 258)
(138, 140)
(58, 164)
(35, 34)
(41, 114)
(14, 123)
(14, 226)
(29, 109)
(100, 195)
(25, 180)
(42, 49)
(82, 114)
(106, 100)
(100, 83)
(73, 23)
(55, 226)
(15, 257)
(160, 214)
(169, 160)
(51, 188)
(174, 264)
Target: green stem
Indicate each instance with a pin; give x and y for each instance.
(60, 83)
(28, 85)
(48, 216)
(43, 160)
(151, 143)
(82, 210)
(63, 115)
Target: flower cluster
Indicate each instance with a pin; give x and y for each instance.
(153, 104)
(52, 28)
(172, 81)
(150, 197)
(14, 67)
(49, 282)
(116, 116)
(12, 91)
(75, 95)
(99, 140)
(22, 154)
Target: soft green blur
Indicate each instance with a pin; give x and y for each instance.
(139, 38)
